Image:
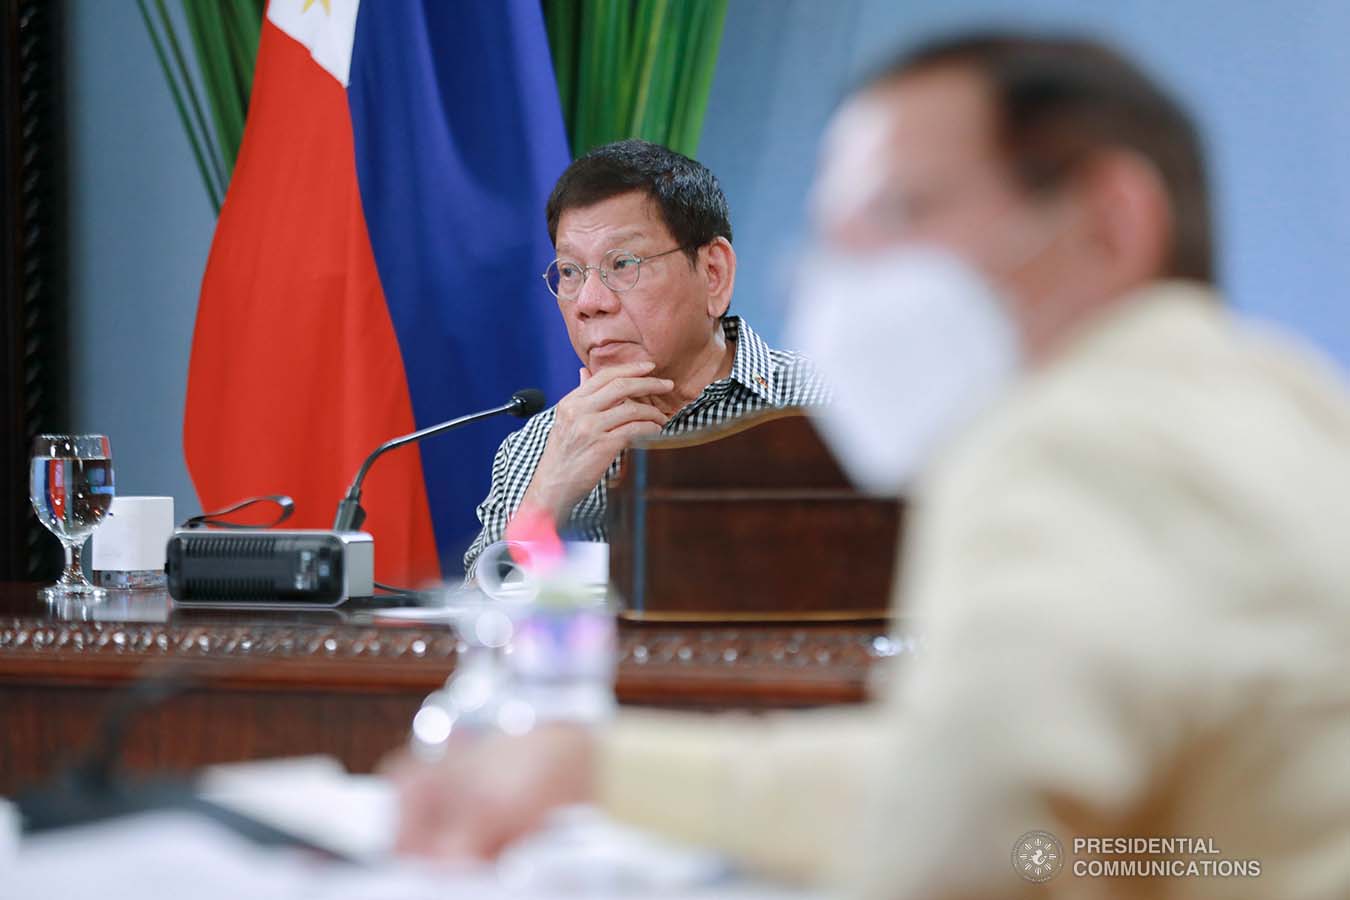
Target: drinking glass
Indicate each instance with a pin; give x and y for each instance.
(71, 486)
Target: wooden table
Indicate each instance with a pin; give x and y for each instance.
(347, 682)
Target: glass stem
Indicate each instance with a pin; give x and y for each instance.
(74, 571)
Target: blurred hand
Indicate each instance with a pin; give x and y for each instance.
(593, 424)
(487, 792)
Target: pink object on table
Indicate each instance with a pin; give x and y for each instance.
(535, 530)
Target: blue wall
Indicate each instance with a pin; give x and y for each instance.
(140, 229)
(1267, 81)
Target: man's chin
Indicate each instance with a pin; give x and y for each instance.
(617, 354)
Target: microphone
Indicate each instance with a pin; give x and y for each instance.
(523, 404)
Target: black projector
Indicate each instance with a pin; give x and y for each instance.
(268, 567)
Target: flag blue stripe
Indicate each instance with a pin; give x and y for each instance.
(459, 138)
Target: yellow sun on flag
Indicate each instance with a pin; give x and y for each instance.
(328, 10)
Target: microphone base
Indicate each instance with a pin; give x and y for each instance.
(350, 515)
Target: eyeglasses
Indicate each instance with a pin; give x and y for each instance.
(619, 271)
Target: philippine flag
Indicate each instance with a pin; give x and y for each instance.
(375, 267)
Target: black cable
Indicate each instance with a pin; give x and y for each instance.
(285, 503)
(391, 590)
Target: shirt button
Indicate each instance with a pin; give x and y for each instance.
(761, 381)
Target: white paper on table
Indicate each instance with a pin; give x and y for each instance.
(9, 832)
(311, 797)
(175, 854)
(356, 815)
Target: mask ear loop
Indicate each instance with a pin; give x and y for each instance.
(286, 504)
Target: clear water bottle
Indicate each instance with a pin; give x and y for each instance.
(538, 646)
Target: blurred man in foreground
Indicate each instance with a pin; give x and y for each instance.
(1129, 545)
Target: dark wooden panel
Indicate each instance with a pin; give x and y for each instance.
(752, 522)
(838, 561)
(775, 449)
(47, 726)
(257, 684)
(33, 319)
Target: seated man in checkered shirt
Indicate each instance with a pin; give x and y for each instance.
(643, 278)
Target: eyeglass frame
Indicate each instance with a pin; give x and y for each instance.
(585, 270)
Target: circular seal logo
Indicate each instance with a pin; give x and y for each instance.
(1037, 856)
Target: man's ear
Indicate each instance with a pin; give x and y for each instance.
(1130, 215)
(717, 266)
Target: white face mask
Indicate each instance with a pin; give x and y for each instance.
(914, 344)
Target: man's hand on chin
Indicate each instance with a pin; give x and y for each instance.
(592, 425)
(486, 792)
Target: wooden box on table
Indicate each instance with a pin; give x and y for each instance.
(751, 522)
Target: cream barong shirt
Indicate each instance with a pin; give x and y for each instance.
(1134, 583)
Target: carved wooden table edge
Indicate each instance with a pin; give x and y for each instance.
(708, 663)
(656, 663)
(734, 664)
(257, 655)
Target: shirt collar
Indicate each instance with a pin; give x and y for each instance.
(753, 364)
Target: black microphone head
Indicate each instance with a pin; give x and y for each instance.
(526, 402)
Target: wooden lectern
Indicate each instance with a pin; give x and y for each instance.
(753, 521)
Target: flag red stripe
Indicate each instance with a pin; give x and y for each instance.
(296, 372)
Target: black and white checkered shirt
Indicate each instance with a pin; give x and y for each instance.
(761, 378)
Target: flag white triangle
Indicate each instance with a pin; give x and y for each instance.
(326, 27)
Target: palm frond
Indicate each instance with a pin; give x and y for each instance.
(224, 37)
(635, 68)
